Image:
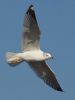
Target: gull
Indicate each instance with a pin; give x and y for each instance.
(31, 52)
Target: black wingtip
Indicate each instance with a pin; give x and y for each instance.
(30, 8)
(31, 12)
(60, 89)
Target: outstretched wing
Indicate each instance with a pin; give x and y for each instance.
(31, 32)
(45, 73)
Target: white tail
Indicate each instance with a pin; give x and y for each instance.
(13, 58)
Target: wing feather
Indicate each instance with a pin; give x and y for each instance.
(31, 31)
(46, 74)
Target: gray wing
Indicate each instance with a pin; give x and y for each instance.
(31, 32)
(45, 73)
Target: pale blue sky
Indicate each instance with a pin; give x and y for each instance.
(56, 19)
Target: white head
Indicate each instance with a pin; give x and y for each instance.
(48, 56)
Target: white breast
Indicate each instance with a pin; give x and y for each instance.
(36, 55)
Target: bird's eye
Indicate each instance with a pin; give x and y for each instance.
(46, 55)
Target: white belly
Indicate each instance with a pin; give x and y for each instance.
(36, 55)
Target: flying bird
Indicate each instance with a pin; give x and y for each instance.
(31, 52)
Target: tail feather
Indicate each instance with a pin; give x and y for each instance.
(10, 55)
(13, 58)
